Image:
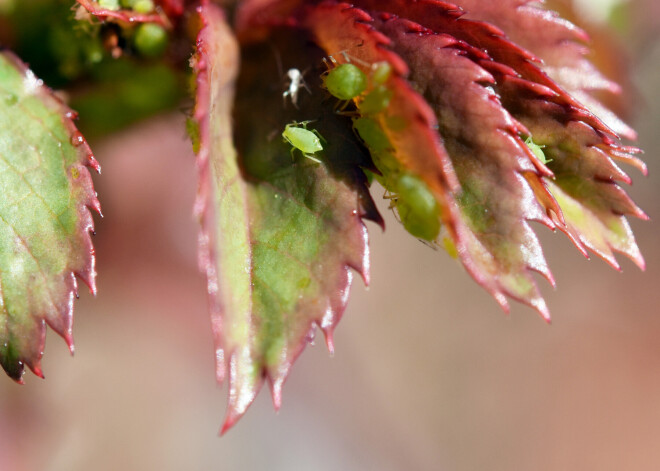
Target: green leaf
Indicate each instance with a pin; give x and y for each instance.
(594, 225)
(125, 92)
(281, 232)
(45, 222)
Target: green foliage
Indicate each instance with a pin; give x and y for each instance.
(58, 47)
(432, 106)
(125, 92)
(44, 220)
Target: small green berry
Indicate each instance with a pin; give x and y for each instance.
(109, 4)
(150, 39)
(141, 6)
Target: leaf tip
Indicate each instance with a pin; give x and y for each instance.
(637, 258)
(502, 301)
(550, 278)
(329, 339)
(242, 391)
(36, 369)
(640, 214)
(230, 419)
(543, 310)
(229, 423)
(611, 261)
(276, 392)
(68, 338)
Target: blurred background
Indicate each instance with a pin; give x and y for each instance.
(428, 373)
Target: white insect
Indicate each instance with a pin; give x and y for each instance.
(296, 82)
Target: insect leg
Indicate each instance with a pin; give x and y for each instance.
(311, 157)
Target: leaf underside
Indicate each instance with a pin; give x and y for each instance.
(470, 96)
(45, 222)
(471, 84)
(561, 47)
(280, 231)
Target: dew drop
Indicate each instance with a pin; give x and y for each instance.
(311, 335)
(77, 139)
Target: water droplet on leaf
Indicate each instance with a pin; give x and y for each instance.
(77, 139)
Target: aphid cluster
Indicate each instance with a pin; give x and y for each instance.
(414, 202)
(348, 81)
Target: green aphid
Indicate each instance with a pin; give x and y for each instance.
(375, 139)
(308, 142)
(372, 134)
(417, 208)
(380, 72)
(376, 100)
(346, 81)
(538, 150)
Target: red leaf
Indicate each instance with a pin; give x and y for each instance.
(489, 156)
(124, 15)
(558, 43)
(583, 160)
(442, 17)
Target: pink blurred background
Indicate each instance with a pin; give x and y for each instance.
(428, 373)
